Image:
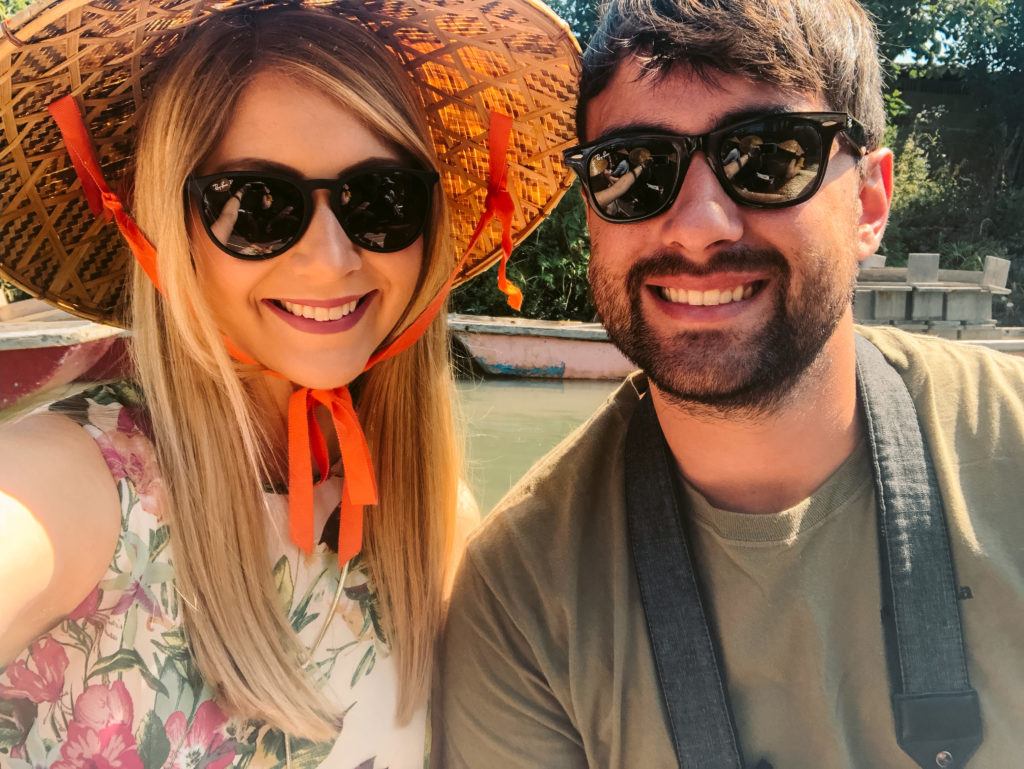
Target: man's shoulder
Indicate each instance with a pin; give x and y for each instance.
(970, 395)
(925, 361)
(573, 488)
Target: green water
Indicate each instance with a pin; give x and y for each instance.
(511, 423)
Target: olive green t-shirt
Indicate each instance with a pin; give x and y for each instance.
(546, 661)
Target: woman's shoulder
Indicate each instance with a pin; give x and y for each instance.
(65, 496)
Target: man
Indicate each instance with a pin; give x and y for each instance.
(775, 546)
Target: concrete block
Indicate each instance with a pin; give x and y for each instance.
(981, 331)
(945, 329)
(873, 261)
(891, 305)
(969, 306)
(927, 304)
(915, 328)
(922, 268)
(864, 305)
(996, 273)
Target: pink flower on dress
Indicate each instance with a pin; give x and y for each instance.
(102, 705)
(129, 454)
(110, 748)
(100, 736)
(46, 682)
(87, 608)
(202, 742)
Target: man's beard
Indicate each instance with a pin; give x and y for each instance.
(740, 371)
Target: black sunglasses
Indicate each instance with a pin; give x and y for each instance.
(260, 214)
(773, 161)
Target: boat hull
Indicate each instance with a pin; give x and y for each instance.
(516, 347)
(27, 371)
(43, 349)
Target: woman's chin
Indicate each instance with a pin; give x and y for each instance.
(324, 381)
(320, 377)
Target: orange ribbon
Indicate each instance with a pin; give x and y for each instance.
(306, 442)
(499, 203)
(102, 202)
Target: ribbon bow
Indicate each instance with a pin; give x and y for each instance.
(306, 443)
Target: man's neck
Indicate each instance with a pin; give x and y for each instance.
(770, 462)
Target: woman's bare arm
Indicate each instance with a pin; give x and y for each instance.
(59, 523)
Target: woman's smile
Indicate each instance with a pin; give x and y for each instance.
(328, 316)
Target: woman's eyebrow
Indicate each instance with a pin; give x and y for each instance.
(262, 164)
(252, 164)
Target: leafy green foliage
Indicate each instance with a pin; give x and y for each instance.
(961, 204)
(11, 7)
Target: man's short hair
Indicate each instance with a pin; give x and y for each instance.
(822, 47)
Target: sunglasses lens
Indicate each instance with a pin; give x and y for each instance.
(252, 217)
(772, 161)
(384, 210)
(633, 178)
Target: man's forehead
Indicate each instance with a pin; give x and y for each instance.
(682, 101)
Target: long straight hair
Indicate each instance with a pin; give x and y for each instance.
(206, 408)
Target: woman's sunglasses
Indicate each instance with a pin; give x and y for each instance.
(768, 162)
(260, 214)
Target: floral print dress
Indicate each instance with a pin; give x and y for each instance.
(113, 685)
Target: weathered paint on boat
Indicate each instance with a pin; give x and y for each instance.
(544, 349)
(42, 349)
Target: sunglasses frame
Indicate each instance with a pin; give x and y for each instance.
(827, 124)
(197, 185)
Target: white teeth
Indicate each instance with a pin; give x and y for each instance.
(709, 298)
(320, 314)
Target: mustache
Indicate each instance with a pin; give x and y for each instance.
(739, 259)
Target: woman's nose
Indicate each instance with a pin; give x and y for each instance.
(325, 246)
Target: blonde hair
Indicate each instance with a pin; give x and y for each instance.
(206, 409)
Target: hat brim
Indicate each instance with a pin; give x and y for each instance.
(466, 58)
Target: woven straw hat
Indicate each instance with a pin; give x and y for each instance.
(467, 57)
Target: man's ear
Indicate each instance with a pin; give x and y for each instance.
(875, 200)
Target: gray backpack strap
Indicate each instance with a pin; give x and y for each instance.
(938, 717)
(692, 683)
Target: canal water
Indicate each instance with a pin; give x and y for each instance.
(511, 423)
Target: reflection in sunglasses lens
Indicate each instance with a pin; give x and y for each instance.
(383, 211)
(633, 178)
(771, 161)
(253, 216)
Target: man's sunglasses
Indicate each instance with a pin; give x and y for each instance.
(769, 162)
(260, 214)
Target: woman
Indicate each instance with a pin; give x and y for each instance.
(183, 594)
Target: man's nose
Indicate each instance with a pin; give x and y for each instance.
(703, 219)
